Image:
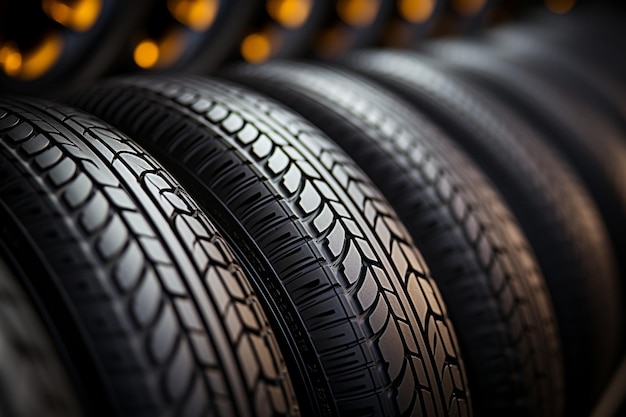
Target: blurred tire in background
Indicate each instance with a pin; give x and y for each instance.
(195, 36)
(283, 28)
(51, 46)
(412, 21)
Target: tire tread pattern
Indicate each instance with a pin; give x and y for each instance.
(165, 306)
(469, 238)
(562, 223)
(374, 314)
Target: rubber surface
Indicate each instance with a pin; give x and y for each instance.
(370, 333)
(156, 315)
(593, 32)
(494, 289)
(32, 379)
(594, 145)
(587, 79)
(555, 211)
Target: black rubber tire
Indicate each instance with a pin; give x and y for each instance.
(366, 326)
(84, 55)
(487, 274)
(223, 37)
(199, 51)
(157, 316)
(595, 147)
(401, 32)
(297, 41)
(33, 381)
(346, 36)
(595, 33)
(556, 212)
(464, 18)
(590, 81)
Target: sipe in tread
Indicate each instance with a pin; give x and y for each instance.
(364, 321)
(156, 314)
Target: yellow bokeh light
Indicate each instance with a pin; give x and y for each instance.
(199, 15)
(416, 11)
(10, 60)
(146, 54)
(33, 63)
(358, 12)
(468, 7)
(78, 15)
(38, 61)
(560, 6)
(289, 13)
(161, 52)
(256, 48)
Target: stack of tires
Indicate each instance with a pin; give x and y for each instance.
(436, 230)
